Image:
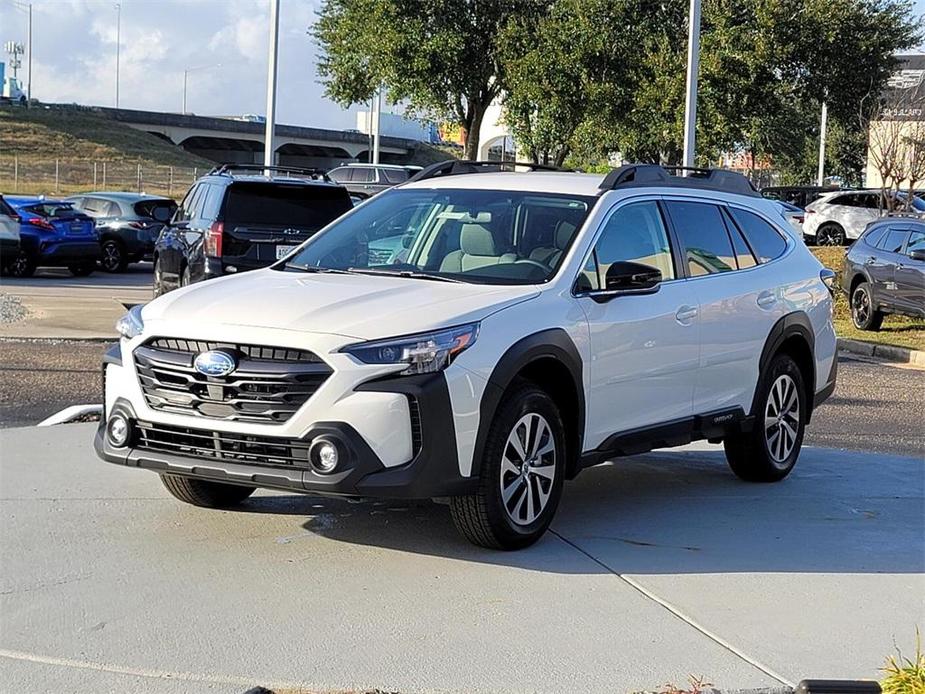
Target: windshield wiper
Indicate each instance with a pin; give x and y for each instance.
(316, 268)
(413, 274)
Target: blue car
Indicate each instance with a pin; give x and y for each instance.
(53, 234)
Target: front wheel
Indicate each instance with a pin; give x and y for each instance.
(522, 472)
(205, 493)
(769, 451)
(863, 314)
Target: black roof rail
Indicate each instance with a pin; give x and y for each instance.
(633, 175)
(455, 167)
(311, 172)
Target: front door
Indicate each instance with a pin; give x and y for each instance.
(910, 276)
(644, 348)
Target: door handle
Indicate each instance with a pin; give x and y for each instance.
(870, 261)
(766, 299)
(686, 314)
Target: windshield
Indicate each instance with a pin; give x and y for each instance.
(481, 236)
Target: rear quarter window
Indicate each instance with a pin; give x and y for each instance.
(395, 175)
(156, 209)
(872, 237)
(767, 244)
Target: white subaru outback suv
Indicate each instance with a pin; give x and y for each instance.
(480, 336)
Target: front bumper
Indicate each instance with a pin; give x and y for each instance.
(433, 470)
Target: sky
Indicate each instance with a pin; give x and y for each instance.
(227, 40)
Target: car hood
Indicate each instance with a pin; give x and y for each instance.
(357, 306)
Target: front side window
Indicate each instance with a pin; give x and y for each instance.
(764, 239)
(916, 242)
(635, 233)
(704, 241)
(340, 175)
(479, 236)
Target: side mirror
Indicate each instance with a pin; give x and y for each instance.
(917, 254)
(627, 276)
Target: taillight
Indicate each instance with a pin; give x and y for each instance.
(800, 218)
(40, 223)
(137, 225)
(213, 240)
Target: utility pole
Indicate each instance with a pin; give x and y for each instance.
(693, 69)
(118, 44)
(820, 175)
(268, 148)
(377, 118)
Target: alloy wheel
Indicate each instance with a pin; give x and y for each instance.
(782, 419)
(528, 468)
(828, 237)
(20, 265)
(860, 305)
(112, 257)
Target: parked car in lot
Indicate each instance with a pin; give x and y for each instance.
(53, 234)
(537, 324)
(837, 218)
(235, 218)
(128, 223)
(801, 196)
(9, 233)
(365, 180)
(885, 272)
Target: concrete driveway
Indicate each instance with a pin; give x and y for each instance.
(659, 567)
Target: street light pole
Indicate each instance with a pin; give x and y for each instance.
(118, 44)
(268, 148)
(693, 68)
(29, 85)
(377, 119)
(185, 76)
(820, 174)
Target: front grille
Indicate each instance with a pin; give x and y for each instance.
(222, 446)
(268, 384)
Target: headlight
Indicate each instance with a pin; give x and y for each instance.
(130, 325)
(423, 353)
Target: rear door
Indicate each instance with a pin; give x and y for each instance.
(910, 275)
(881, 267)
(264, 222)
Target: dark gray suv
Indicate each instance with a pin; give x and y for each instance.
(885, 271)
(365, 180)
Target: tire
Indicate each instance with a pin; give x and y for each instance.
(204, 493)
(769, 452)
(113, 256)
(158, 282)
(488, 519)
(830, 234)
(185, 277)
(82, 270)
(23, 265)
(863, 314)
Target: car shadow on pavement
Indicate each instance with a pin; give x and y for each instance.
(838, 512)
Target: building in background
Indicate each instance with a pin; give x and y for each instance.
(397, 125)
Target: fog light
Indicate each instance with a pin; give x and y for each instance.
(119, 430)
(323, 455)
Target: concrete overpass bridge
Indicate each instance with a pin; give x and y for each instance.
(238, 141)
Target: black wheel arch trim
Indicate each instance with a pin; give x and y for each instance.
(795, 324)
(552, 343)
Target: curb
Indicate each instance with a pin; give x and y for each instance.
(902, 355)
(69, 414)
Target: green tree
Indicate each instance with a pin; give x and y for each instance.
(441, 57)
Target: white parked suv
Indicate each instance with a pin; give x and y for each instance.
(837, 218)
(522, 326)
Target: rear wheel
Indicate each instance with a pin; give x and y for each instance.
(863, 314)
(521, 477)
(159, 287)
(23, 265)
(769, 452)
(830, 235)
(204, 493)
(82, 269)
(114, 259)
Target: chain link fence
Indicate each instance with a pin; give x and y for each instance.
(69, 176)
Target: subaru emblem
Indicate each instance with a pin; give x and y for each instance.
(214, 363)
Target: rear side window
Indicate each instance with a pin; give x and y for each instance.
(307, 207)
(893, 241)
(705, 244)
(872, 237)
(362, 174)
(395, 175)
(764, 239)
